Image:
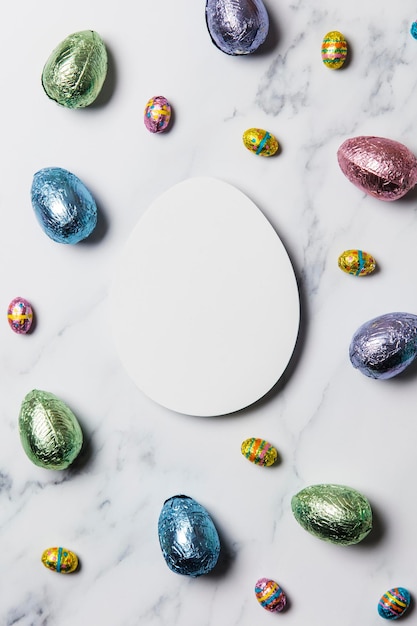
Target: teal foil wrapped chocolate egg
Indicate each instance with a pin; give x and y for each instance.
(63, 206)
(49, 431)
(75, 71)
(188, 537)
(334, 513)
(394, 603)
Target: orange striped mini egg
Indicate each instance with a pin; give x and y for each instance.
(259, 451)
(60, 560)
(334, 50)
(260, 141)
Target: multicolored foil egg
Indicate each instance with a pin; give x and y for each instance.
(20, 316)
(260, 141)
(49, 431)
(64, 207)
(394, 603)
(259, 451)
(60, 560)
(334, 513)
(75, 71)
(334, 50)
(356, 262)
(188, 538)
(270, 595)
(384, 346)
(237, 28)
(157, 114)
(382, 168)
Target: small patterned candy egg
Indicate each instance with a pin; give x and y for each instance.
(157, 114)
(334, 50)
(75, 71)
(356, 262)
(20, 316)
(60, 560)
(188, 538)
(259, 451)
(270, 595)
(334, 513)
(260, 141)
(64, 207)
(394, 603)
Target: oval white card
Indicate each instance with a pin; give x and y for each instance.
(205, 305)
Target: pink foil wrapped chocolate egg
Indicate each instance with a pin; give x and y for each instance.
(382, 168)
(20, 315)
(157, 114)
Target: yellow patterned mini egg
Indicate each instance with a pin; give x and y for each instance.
(356, 262)
(334, 50)
(259, 451)
(60, 560)
(260, 141)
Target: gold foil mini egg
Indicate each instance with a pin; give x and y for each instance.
(259, 451)
(260, 141)
(60, 560)
(356, 262)
(334, 50)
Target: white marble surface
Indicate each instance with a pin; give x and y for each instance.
(329, 423)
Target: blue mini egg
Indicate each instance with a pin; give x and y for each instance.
(188, 538)
(63, 206)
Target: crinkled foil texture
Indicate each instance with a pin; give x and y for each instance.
(382, 168)
(237, 26)
(334, 513)
(189, 540)
(385, 346)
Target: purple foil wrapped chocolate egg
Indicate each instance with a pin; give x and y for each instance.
(385, 346)
(382, 168)
(237, 27)
(20, 315)
(157, 114)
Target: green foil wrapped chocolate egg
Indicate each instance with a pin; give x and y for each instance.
(334, 513)
(49, 431)
(75, 71)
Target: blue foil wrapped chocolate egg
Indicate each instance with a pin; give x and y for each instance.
(385, 346)
(394, 603)
(63, 205)
(188, 538)
(237, 28)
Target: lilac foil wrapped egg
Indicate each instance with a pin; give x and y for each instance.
(64, 207)
(157, 114)
(385, 346)
(382, 168)
(237, 27)
(188, 538)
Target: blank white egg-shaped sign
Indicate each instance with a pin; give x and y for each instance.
(205, 305)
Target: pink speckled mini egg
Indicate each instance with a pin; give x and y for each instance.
(20, 315)
(157, 114)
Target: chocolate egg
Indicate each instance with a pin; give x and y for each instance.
(64, 207)
(157, 114)
(189, 540)
(259, 451)
(75, 71)
(237, 28)
(382, 168)
(356, 262)
(260, 141)
(385, 346)
(270, 595)
(394, 603)
(60, 560)
(334, 513)
(20, 316)
(49, 431)
(334, 50)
